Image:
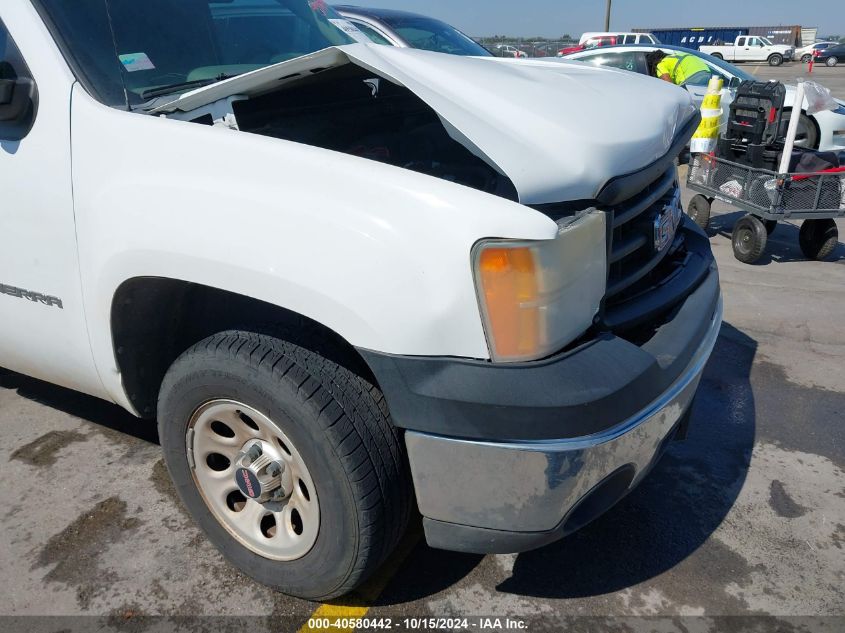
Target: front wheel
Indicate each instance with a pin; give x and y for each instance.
(749, 239)
(832, 61)
(807, 135)
(287, 461)
(818, 238)
(775, 60)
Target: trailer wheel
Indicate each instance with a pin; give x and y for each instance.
(699, 210)
(832, 61)
(770, 225)
(776, 59)
(749, 239)
(818, 238)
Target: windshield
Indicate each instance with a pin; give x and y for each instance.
(434, 35)
(127, 51)
(766, 41)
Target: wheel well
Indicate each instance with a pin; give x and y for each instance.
(815, 126)
(155, 320)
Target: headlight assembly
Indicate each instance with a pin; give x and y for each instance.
(536, 297)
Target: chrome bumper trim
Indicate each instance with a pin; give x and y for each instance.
(532, 486)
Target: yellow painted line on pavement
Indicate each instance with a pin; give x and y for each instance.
(357, 605)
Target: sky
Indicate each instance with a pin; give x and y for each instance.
(554, 18)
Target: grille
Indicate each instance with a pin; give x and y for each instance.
(633, 256)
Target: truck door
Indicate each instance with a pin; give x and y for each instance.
(740, 50)
(752, 50)
(42, 323)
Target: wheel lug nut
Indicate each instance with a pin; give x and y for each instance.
(255, 451)
(275, 469)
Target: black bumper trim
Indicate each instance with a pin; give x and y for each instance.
(575, 394)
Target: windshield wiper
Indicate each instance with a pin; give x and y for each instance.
(196, 83)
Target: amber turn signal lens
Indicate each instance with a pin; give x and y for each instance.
(509, 282)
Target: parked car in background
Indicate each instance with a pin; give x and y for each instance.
(506, 50)
(597, 41)
(806, 53)
(831, 56)
(751, 48)
(569, 50)
(620, 38)
(544, 49)
(823, 130)
(412, 30)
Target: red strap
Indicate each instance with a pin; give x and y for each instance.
(836, 170)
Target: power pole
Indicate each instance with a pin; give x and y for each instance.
(607, 17)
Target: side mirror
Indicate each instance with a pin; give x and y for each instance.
(18, 104)
(7, 88)
(735, 82)
(15, 99)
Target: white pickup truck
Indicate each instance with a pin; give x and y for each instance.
(751, 48)
(345, 278)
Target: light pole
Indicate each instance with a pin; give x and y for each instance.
(607, 16)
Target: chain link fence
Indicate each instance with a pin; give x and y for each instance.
(525, 47)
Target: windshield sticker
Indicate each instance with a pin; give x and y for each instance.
(351, 30)
(133, 62)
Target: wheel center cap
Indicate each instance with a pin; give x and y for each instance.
(248, 483)
(261, 473)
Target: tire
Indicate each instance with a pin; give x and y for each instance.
(775, 60)
(818, 238)
(699, 210)
(831, 62)
(336, 422)
(749, 239)
(808, 133)
(805, 59)
(770, 225)
(718, 56)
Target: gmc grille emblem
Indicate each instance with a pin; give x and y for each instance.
(667, 222)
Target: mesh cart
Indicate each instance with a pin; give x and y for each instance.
(769, 197)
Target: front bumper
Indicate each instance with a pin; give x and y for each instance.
(509, 457)
(487, 497)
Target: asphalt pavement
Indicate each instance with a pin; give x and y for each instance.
(744, 518)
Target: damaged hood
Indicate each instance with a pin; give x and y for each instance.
(560, 131)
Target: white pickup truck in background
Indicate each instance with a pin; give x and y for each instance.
(348, 279)
(751, 48)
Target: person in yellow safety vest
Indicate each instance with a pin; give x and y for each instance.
(678, 68)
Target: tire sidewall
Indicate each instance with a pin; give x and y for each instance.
(699, 210)
(334, 553)
(775, 60)
(818, 238)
